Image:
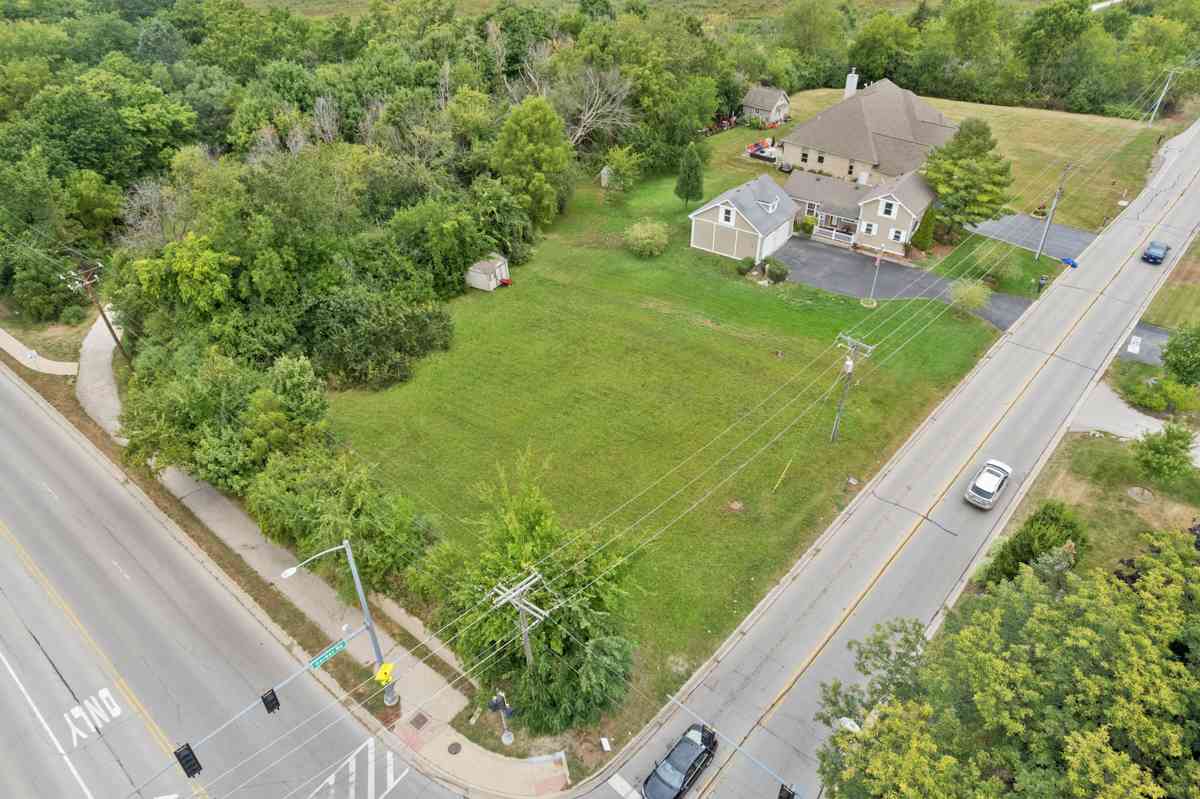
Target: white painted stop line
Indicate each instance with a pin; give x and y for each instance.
(1135, 344)
(618, 784)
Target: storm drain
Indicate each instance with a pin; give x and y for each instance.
(419, 720)
(454, 748)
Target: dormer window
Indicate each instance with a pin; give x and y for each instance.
(769, 207)
(726, 215)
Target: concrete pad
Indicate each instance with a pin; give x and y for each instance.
(31, 360)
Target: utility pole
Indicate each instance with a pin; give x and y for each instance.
(1050, 216)
(515, 596)
(86, 280)
(1161, 96)
(854, 347)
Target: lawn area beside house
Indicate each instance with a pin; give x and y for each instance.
(1039, 142)
(614, 370)
(1009, 269)
(1177, 303)
(1093, 475)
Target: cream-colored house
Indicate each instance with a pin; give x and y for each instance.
(881, 218)
(767, 103)
(752, 220)
(872, 135)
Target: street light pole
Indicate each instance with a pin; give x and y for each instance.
(1050, 216)
(389, 692)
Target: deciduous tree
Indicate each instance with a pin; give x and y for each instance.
(689, 185)
(532, 155)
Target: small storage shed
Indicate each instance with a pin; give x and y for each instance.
(486, 275)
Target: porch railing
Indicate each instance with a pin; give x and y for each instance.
(833, 235)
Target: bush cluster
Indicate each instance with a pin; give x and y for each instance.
(1051, 525)
(777, 271)
(647, 238)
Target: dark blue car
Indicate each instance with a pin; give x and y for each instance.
(674, 776)
(1156, 253)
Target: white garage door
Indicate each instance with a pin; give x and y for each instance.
(777, 238)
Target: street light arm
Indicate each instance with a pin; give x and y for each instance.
(293, 569)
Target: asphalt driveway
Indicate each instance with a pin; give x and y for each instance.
(1022, 230)
(843, 271)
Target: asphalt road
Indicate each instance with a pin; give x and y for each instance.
(903, 547)
(118, 641)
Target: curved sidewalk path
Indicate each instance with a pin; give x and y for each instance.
(423, 691)
(29, 358)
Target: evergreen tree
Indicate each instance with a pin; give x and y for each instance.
(970, 179)
(690, 183)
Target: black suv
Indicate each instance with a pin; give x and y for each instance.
(674, 776)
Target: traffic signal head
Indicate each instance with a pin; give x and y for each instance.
(270, 701)
(786, 793)
(188, 760)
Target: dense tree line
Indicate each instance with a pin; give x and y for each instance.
(1046, 685)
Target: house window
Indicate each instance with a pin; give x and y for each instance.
(887, 208)
(896, 235)
(804, 156)
(820, 158)
(869, 228)
(726, 216)
(810, 209)
(850, 169)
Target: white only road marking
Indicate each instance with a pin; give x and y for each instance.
(618, 784)
(95, 712)
(46, 727)
(1135, 344)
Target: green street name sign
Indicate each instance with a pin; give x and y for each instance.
(323, 658)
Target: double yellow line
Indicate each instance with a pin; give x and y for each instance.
(156, 732)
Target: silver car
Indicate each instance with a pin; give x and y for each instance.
(987, 486)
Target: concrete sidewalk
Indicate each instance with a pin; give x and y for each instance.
(31, 360)
(428, 700)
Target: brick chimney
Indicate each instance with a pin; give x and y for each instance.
(851, 84)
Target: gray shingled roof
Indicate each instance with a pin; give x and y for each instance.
(882, 124)
(750, 200)
(910, 189)
(763, 98)
(835, 195)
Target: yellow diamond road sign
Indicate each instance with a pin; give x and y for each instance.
(384, 675)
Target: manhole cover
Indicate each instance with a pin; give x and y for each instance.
(454, 748)
(1142, 495)
(419, 720)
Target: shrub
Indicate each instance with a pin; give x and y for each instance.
(38, 289)
(969, 294)
(777, 271)
(1166, 455)
(923, 237)
(647, 238)
(806, 225)
(72, 315)
(746, 266)
(1165, 395)
(1049, 528)
(1181, 356)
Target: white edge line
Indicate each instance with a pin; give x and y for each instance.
(46, 727)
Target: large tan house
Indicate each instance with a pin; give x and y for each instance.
(752, 220)
(881, 217)
(872, 135)
(856, 165)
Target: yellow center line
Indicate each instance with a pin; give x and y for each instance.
(922, 518)
(156, 732)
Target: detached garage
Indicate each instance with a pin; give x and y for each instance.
(750, 221)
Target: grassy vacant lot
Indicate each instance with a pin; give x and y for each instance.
(1039, 142)
(50, 339)
(1093, 474)
(1177, 304)
(1009, 269)
(615, 370)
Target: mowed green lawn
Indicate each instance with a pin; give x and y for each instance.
(620, 372)
(1112, 154)
(1007, 268)
(1177, 304)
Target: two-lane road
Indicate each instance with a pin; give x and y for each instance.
(119, 641)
